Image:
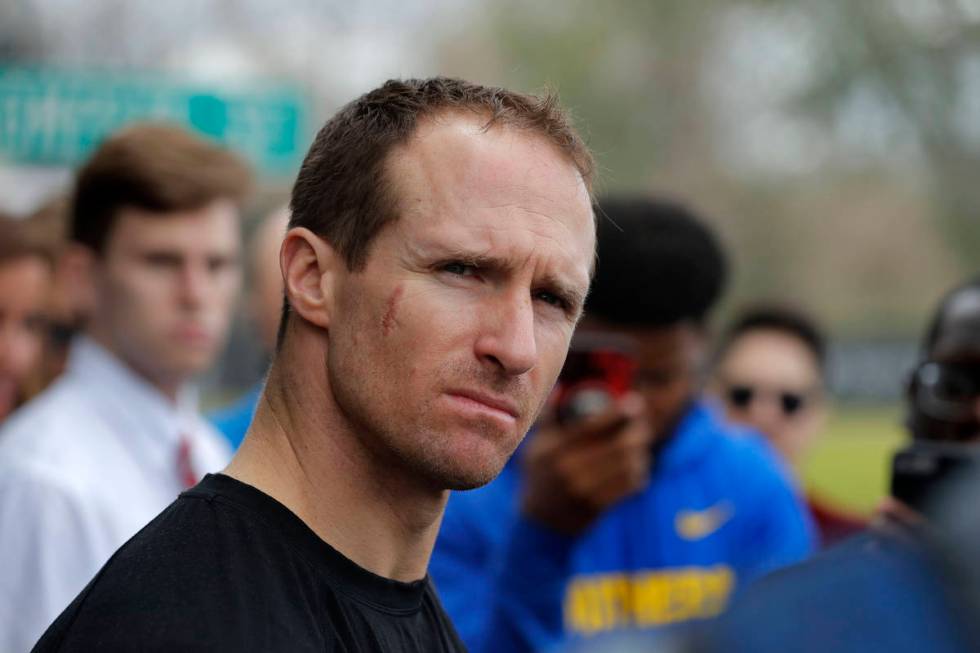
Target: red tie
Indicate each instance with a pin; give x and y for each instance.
(184, 468)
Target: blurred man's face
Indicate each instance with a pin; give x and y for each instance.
(944, 396)
(164, 290)
(445, 346)
(668, 371)
(771, 381)
(24, 286)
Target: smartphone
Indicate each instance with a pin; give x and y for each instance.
(598, 370)
(924, 470)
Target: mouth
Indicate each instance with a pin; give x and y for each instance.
(496, 405)
(192, 334)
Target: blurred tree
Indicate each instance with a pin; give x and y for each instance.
(630, 68)
(920, 61)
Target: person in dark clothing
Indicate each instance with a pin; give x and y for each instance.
(440, 249)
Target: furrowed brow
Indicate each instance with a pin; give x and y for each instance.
(480, 259)
(573, 295)
(570, 292)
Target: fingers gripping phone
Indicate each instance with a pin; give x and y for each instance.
(598, 370)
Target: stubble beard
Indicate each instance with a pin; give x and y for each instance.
(411, 441)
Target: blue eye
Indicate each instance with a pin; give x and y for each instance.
(459, 269)
(551, 299)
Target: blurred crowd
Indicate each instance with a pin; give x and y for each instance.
(659, 489)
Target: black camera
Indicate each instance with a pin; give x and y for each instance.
(925, 470)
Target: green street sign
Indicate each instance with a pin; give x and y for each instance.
(58, 116)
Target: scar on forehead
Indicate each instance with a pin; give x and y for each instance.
(391, 310)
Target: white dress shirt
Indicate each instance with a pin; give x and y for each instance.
(82, 468)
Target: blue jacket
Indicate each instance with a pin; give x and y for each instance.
(718, 512)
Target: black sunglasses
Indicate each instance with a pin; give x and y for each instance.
(742, 396)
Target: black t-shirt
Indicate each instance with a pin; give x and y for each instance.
(228, 568)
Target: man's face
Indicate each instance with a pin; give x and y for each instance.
(771, 381)
(164, 288)
(445, 346)
(668, 369)
(24, 287)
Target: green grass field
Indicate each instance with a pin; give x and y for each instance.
(850, 465)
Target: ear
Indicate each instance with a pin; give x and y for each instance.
(309, 269)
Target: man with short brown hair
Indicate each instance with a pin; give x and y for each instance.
(440, 251)
(84, 466)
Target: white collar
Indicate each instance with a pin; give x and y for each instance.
(129, 401)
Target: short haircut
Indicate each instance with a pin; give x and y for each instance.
(159, 168)
(658, 264)
(781, 318)
(939, 318)
(17, 242)
(342, 193)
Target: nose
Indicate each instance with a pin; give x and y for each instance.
(507, 336)
(193, 284)
(765, 414)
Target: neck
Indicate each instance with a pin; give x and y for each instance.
(312, 461)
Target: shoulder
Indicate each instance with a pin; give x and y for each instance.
(54, 429)
(739, 465)
(707, 443)
(46, 448)
(750, 451)
(40, 505)
(199, 562)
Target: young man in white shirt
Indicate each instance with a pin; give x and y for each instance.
(155, 218)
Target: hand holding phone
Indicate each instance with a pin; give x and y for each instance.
(597, 372)
(595, 448)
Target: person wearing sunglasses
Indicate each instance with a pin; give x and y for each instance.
(770, 375)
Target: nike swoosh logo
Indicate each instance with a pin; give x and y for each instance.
(698, 524)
